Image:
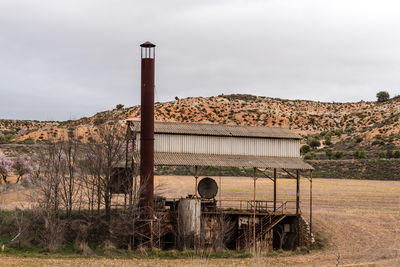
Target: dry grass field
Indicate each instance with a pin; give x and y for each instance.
(357, 219)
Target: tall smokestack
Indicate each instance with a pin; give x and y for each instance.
(147, 130)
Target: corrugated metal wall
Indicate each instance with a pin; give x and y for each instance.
(225, 145)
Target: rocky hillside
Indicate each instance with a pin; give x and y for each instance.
(358, 124)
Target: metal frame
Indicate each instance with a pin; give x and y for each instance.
(255, 176)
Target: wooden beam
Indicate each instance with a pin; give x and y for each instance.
(291, 175)
(196, 176)
(264, 172)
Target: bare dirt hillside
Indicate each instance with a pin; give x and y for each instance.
(376, 123)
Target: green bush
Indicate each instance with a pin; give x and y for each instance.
(382, 96)
(338, 132)
(329, 153)
(309, 155)
(339, 154)
(359, 139)
(313, 141)
(304, 149)
(328, 140)
(359, 154)
(350, 129)
(396, 154)
(7, 137)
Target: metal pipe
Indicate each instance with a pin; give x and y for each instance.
(274, 189)
(310, 208)
(254, 211)
(147, 132)
(297, 192)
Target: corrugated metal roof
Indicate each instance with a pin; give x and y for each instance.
(186, 159)
(218, 130)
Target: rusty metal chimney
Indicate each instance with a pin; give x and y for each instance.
(147, 131)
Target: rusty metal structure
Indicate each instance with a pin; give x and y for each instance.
(199, 220)
(269, 153)
(147, 130)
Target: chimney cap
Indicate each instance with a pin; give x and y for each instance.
(147, 44)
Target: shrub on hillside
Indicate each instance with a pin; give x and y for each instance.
(329, 153)
(313, 142)
(358, 139)
(305, 149)
(359, 154)
(6, 137)
(119, 106)
(309, 155)
(389, 154)
(339, 154)
(328, 140)
(382, 96)
(338, 132)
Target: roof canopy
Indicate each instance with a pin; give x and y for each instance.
(186, 159)
(218, 130)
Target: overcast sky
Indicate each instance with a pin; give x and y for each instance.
(67, 59)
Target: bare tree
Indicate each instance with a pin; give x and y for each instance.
(50, 169)
(68, 181)
(104, 154)
(67, 172)
(222, 233)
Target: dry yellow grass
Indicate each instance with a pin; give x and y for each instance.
(358, 219)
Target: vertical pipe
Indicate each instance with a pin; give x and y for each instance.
(310, 208)
(274, 190)
(297, 192)
(147, 133)
(254, 211)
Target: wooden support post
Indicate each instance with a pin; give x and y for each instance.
(297, 192)
(310, 208)
(274, 189)
(220, 188)
(196, 176)
(254, 210)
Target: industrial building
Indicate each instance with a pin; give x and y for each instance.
(256, 148)
(204, 218)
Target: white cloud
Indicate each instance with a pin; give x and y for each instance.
(64, 59)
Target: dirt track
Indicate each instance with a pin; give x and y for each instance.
(358, 219)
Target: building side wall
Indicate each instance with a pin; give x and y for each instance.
(225, 145)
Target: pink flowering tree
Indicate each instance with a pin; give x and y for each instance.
(23, 131)
(5, 167)
(22, 166)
